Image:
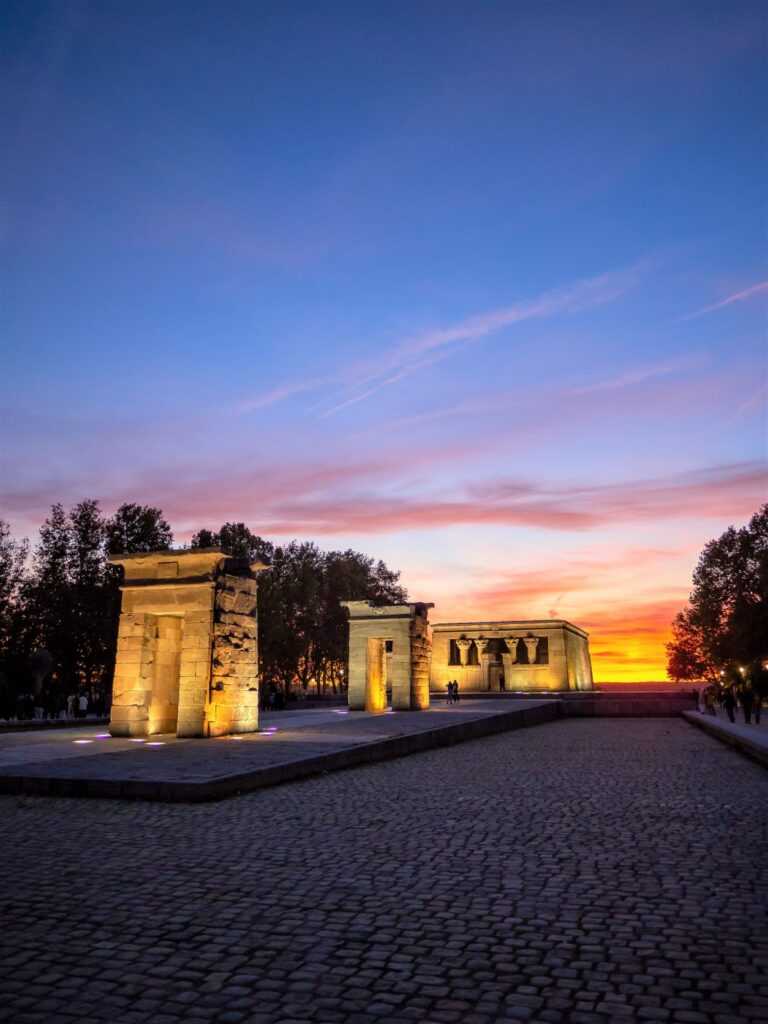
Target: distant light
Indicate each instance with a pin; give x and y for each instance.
(103, 736)
(82, 741)
(137, 741)
(156, 743)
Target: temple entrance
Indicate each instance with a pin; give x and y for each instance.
(164, 703)
(376, 675)
(495, 676)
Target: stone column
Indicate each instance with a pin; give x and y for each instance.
(376, 676)
(134, 675)
(164, 705)
(484, 658)
(195, 670)
(463, 645)
(421, 652)
(531, 644)
(509, 659)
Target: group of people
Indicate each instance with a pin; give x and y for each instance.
(750, 701)
(49, 704)
(453, 692)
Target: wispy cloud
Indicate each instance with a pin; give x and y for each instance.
(419, 351)
(408, 356)
(640, 375)
(266, 398)
(742, 296)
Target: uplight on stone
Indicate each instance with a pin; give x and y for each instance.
(187, 658)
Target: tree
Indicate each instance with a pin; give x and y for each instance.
(726, 622)
(13, 559)
(48, 609)
(237, 540)
(302, 625)
(136, 528)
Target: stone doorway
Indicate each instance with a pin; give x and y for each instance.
(166, 676)
(495, 675)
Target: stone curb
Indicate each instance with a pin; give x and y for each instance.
(289, 771)
(757, 751)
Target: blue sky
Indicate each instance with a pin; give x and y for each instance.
(479, 288)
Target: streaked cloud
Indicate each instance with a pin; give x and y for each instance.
(741, 296)
(422, 350)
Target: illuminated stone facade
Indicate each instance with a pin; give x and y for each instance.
(548, 654)
(389, 649)
(187, 649)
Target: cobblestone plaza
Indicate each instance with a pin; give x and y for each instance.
(582, 871)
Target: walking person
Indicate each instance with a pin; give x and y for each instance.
(455, 691)
(449, 688)
(747, 703)
(82, 705)
(729, 703)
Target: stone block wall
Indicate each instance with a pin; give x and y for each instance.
(234, 688)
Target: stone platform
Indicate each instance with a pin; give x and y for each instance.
(86, 761)
(751, 740)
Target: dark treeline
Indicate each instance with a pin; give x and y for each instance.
(722, 636)
(59, 604)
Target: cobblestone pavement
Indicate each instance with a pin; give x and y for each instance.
(584, 871)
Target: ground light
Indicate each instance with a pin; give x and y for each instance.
(82, 741)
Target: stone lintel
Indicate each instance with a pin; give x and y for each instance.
(367, 610)
(508, 626)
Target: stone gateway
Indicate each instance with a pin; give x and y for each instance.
(389, 649)
(187, 646)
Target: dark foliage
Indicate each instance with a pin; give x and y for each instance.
(726, 622)
(302, 625)
(58, 615)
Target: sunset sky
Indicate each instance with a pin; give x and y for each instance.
(476, 288)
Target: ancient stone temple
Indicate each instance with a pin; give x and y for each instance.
(548, 654)
(187, 650)
(389, 650)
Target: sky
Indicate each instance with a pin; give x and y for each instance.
(476, 288)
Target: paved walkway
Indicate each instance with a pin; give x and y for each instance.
(290, 745)
(582, 872)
